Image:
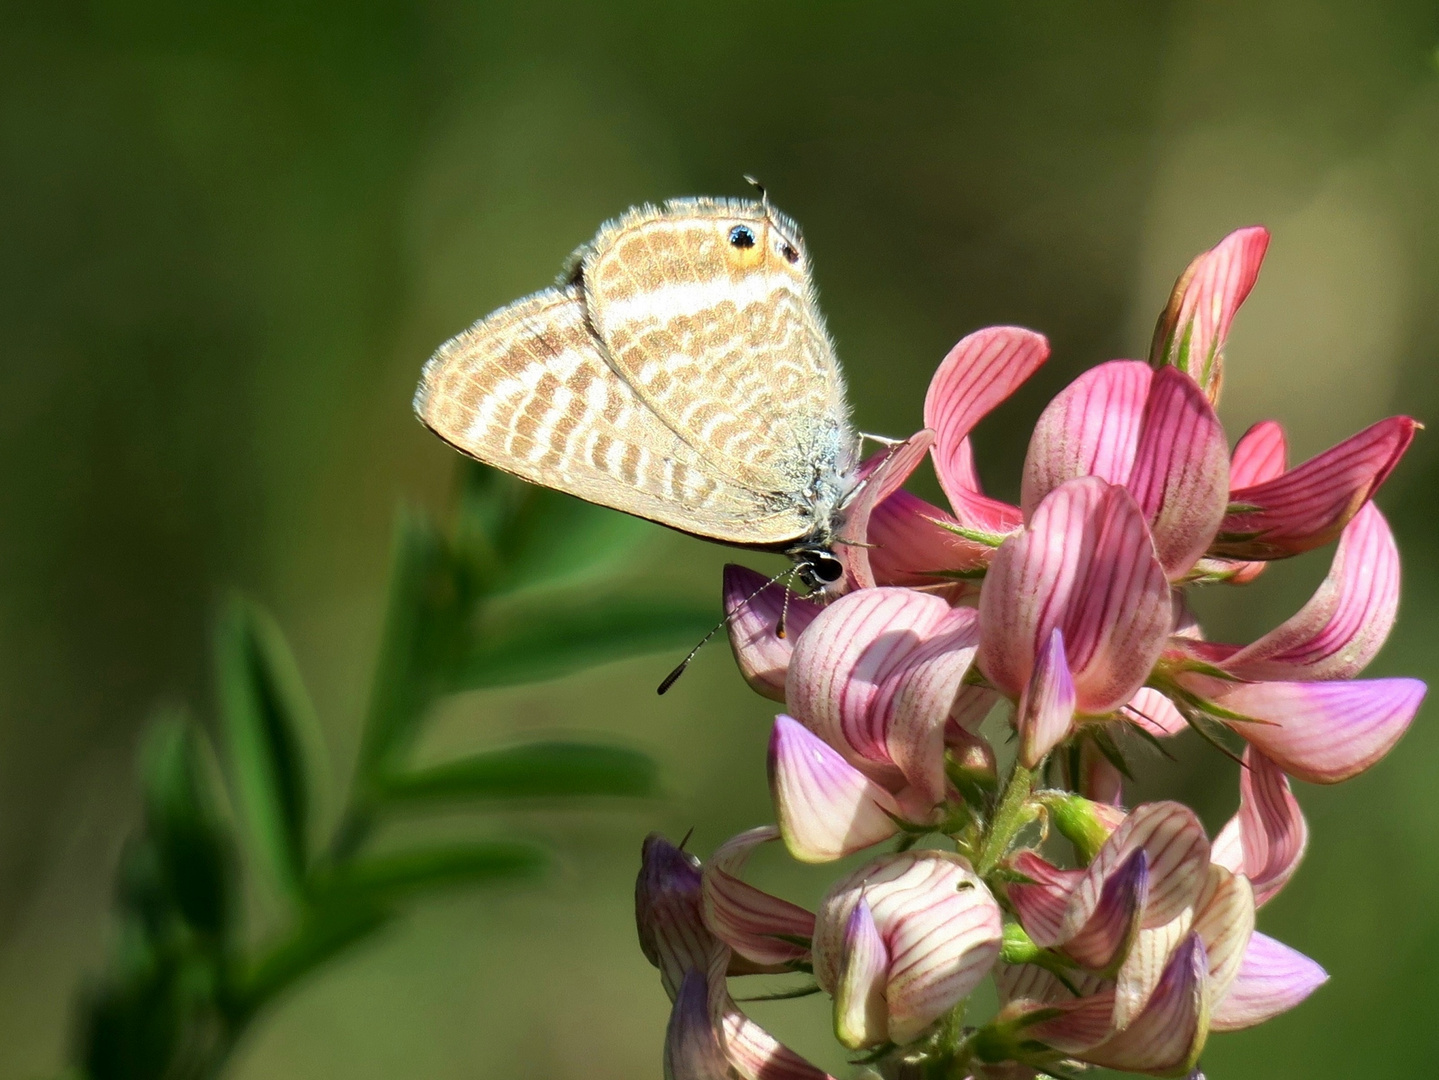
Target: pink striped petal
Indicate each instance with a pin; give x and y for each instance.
(971, 705)
(1320, 732)
(1309, 505)
(1180, 477)
(1345, 623)
(1155, 713)
(1090, 429)
(913, 547)
(1081, 1023)
(1178, 852)
(1043, 902)
(1167, 1037)
(754, 608)
(826, 807)
(860, 1016)
(1106, 937)
(1099, 780)
(979, 372)
(1260, 455)
(1086, 565)
(751, 922)
(1265, 840)
(881, 476)
(672, 933)
(1144, 967)
(1272, 979)
(1191, 332)
(753, 1053)
(692, 1049)
(1224, 921)
(876, 676)
(940, 926)
(1046, 708)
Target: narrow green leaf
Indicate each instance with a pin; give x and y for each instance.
(325, 932)
(393, 876)
(550, 639)
(271, 729)
(193, 846)
(531, 771)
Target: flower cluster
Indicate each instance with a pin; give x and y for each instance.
(1116, 938)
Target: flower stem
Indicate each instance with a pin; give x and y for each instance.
(1008, 818)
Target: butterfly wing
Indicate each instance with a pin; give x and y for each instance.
(527, 390)
(724, 342)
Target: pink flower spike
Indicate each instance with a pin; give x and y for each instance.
(754, 610)
(692, 1050)
(1309, 505)
(1346, 622)
(881, 475)
(751, 922)
(1272, 979)
(1046, 709)
(1180, 477)
(979, 372)
(1191, 332)
(1085, 564)
(826, 807)
(667, 912)
(1091, 428)
(876, 676)
(860, 1016)
(1265, 840)
(1321, 732)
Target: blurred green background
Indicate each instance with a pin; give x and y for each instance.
(230, 233)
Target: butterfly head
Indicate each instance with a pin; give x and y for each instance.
(817, 567)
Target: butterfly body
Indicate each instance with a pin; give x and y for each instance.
(680, 371)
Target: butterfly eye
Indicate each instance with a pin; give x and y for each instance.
(741, 236)
(790, 254)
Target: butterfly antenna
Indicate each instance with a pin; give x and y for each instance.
(763, 195)
(674, 676)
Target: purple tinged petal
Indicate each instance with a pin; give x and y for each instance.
(1106, 937)
(1345, 623)
(692, 1049)
(752, 1052)
(1169, 1035)
(1046, 708)
(1191, 331)
(668, 916)
(1091, 428)
(1144, 967)
(826, 807)
(1321, 732)
(1309, 505)
(879, 478)
(939, 923)
(1180, 477)
(1043, 902)
(860, 1016)
(876, 676)
(979, 372)
(750, 921)
(1224, 921)
(1265, 840)
(1272, 979)
(754, 610)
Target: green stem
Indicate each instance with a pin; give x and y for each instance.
(1008, 817)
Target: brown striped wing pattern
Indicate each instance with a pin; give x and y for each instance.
(529, 390)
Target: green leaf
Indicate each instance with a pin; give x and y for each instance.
(326, 931)
(271, 727)
(422, 619)
(521, 534)
(393, 876)
(193, 847)
(550, 639)
(530, 771)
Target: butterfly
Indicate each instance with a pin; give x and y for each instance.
(680, 371)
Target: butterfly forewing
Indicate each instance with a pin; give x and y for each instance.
(723, 341)
(528, 390)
